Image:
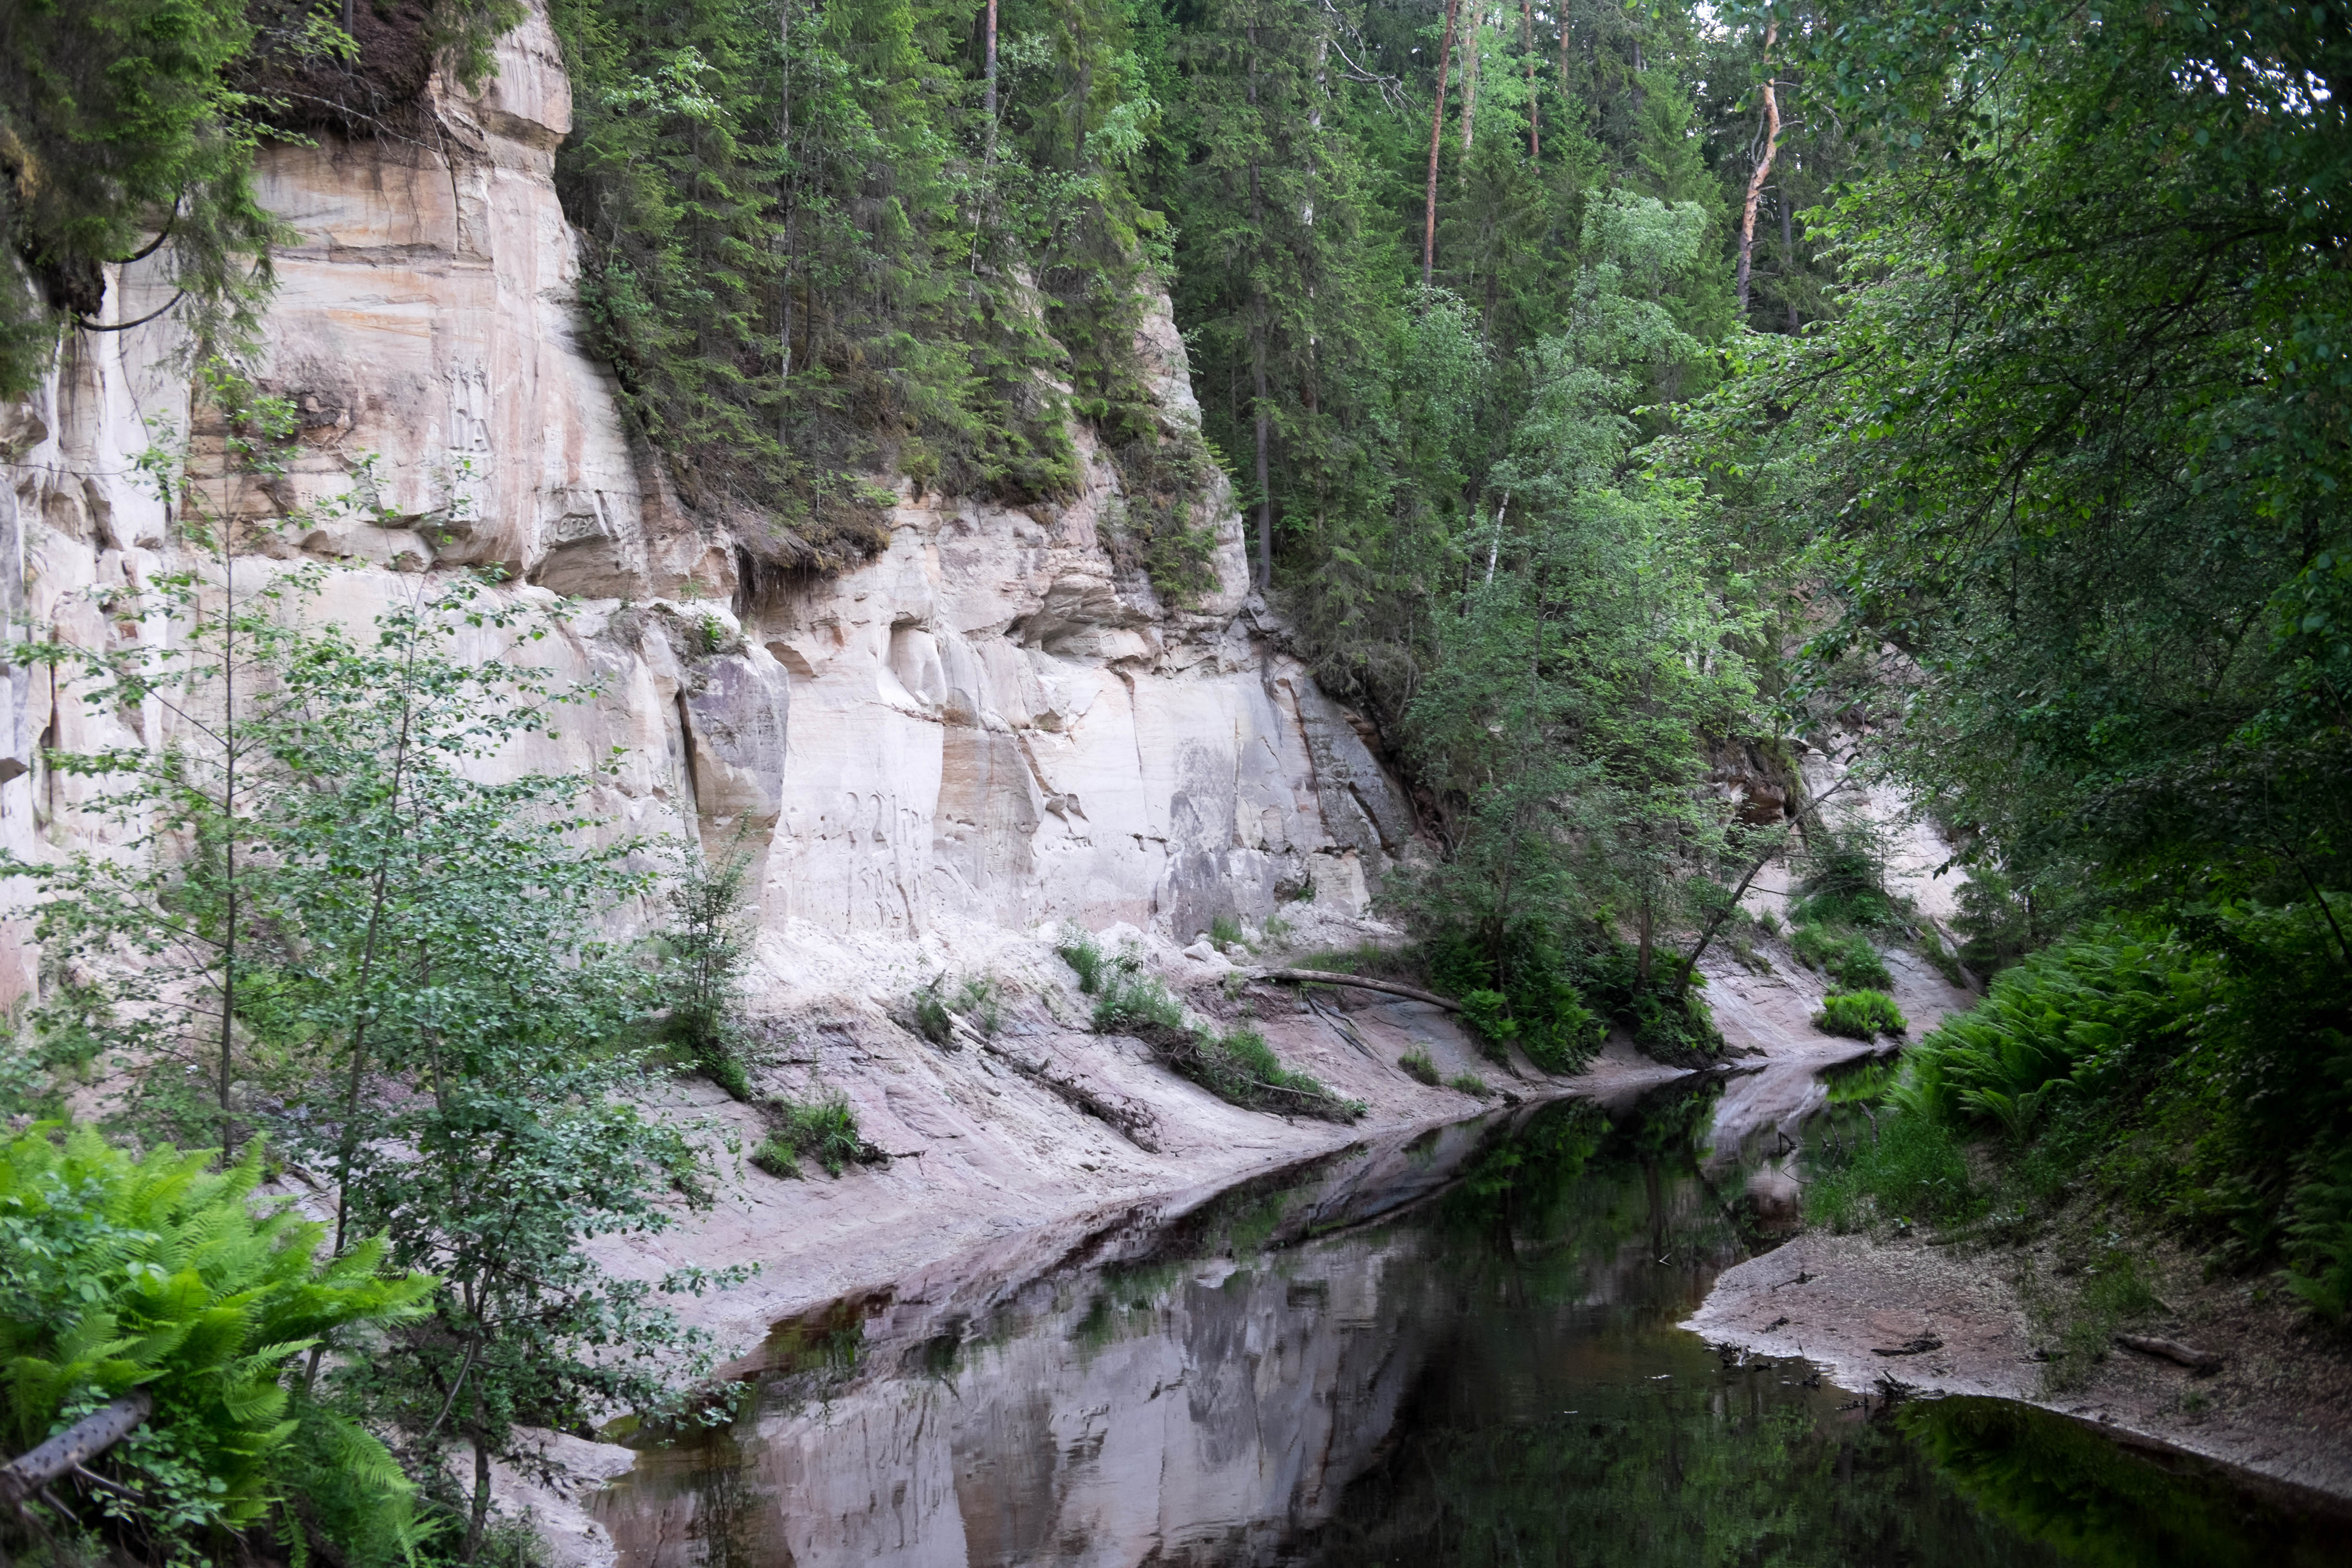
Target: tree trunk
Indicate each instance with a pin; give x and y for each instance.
(84, 1440)
(1763, 171)
(477, 1517)
(1469, 86)
(988, 93)
(1787, 256)
(229, 834)
(1359, 983)
(1261, 408)
(1535, 109)
(1563, 54)
(1436, 134)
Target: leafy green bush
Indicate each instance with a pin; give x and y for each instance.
(2120, 1056)
(1242, 1068)
(1844, 886)
(2041, 1020)
(1469, 1083)
(824, 1130)
(1559, 998)
(1418, 1065)
(1488, 1015)
(118, 1274)
(1860, 1015)
(705, 949)
(1848, 959)
(1225, 932)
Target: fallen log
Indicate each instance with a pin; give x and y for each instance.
(2173, 1351)
(1361, 983)
(84, 1440)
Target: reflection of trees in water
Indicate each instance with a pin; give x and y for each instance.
(1732, 1473)
(2057, 1480)
(1563, 1419)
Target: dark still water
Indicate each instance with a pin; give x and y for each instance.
(1456, 1349)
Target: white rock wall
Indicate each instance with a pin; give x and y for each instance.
(986, 726)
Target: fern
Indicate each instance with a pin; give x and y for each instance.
(153, 1274)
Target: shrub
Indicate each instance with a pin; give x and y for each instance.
(1860, 1015)
(151, 1274)
(1850, 960)
(705, 950)
(1487, 1016)
(1418, 1065)
(1084, 955)
(1136, 1004)
(1561, 996)
(824, 1130)
(1845, 884)
(1225, 932)
(1469, 1083)
(1769, 922)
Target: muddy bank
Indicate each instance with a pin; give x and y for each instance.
(1942, 1319)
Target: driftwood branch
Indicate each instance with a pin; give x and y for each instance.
(2189, 1356)
(1327, 977)
(87, 1439)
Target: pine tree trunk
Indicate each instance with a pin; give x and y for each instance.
(1260, 406)
(988, 93)
(1436, 134)
(1763, 171)
(1535, 109)
(1469, 88)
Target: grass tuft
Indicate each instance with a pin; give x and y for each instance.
(1860, 1015)
(824, 1130)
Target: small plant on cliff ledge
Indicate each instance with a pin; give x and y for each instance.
(932, 1020)
(1085, 956)
(1860, 1015)
(824, 1130)
(1239, 1067)
(1420, 1067)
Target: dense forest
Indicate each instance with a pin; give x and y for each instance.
(1621, 402)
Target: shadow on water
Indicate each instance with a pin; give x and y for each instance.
(1455, 1348)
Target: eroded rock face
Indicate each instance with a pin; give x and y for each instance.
(988, 725)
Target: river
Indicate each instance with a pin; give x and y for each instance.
(1456, 1348)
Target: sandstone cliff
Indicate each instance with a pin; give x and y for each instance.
(938, 758)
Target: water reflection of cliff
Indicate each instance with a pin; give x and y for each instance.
(1206, 1393)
